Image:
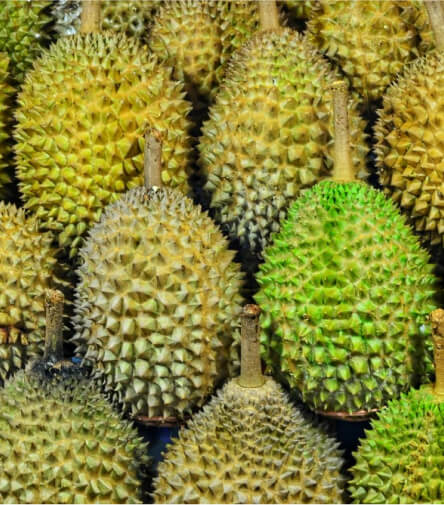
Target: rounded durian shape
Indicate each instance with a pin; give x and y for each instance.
(23, 30)
(82, 111)
(27, 269)
(270, 134)
(6, 92)
(62, 442)
(156, 302)
(346, 290)
(370, 41)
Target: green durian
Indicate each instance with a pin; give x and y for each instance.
(6, 92)
(157, 301)
(410, 141)
(300, 9)
(28, 267)
(24, 29)
(400, 459)
(82, 112)
(270, 135)
(346, 290)
(250, 445)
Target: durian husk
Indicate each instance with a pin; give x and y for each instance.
(6, 92)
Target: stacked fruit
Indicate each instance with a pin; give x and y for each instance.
(164, 163)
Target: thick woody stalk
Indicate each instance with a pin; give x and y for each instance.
(436, 16)
(437, 319)
(152, 162)
(90, 17)
(268, 14)
(54, 325)
(251, 368)
(343, 165)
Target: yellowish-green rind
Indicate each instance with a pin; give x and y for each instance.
(6, 92)
(62, 442)
(346, 291)
(250, 445)
(82, 115)
(400, 458)
(157, 303)
(270, 134)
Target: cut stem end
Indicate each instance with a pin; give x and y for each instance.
(54, 301)
(152, 162)
(437, 320)
(268, 15)
(90, 16)
(436, 16)
(251, 367)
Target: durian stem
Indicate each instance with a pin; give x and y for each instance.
(343, 165)
(54, 325)
(90, 17)
(436, 17)
(152, 162)
(268, 14)
(437, 319)
(251, 368)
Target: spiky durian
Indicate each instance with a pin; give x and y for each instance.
(6, 92)
(371, 41)
(400, 459)
(156, 302)
(132, 17)
(346, 290)
(82, 112)
(410, 143)
(27, 269)
(23, 29)
(300, 9)
(270, 134)
(250, 445)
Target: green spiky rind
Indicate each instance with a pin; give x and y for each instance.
(370, 41)
(82, 115)
(157, 302)
(27, 270)
(301, 9)
(62, 442)
(414, 12)
(23, 29)
(410, 145)
(250, 445)
(6, 92)
(346, 291)
(400, 459)
(270, 134)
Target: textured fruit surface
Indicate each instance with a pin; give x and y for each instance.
(270, 134)
(62, 442)
(300, 9)
(132, 17)
(27, 270)
(82, 117)
(23, 29)
(371, 41)
(6, 92)
(410, 145)
(346, 290)
(157, 302)
(400, 459)
(250, 445)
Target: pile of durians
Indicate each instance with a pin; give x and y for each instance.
(224, 215)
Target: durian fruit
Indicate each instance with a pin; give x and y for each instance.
(82, 112)
(28, 267)
(6, 92)
(250, 445)
(270, 133)
(24, 26)
(61, 441)
(346, 290)
(132, 17)
(370, 41)
(300, 9)
(156, 300)
(410, 139)
(400, 459)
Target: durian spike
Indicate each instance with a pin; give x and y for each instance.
(251, 368)
(152, 162)
(436, 16)
(90, 17)
(437, 319)
(54, 300)
(268, 15)
(343, 166)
